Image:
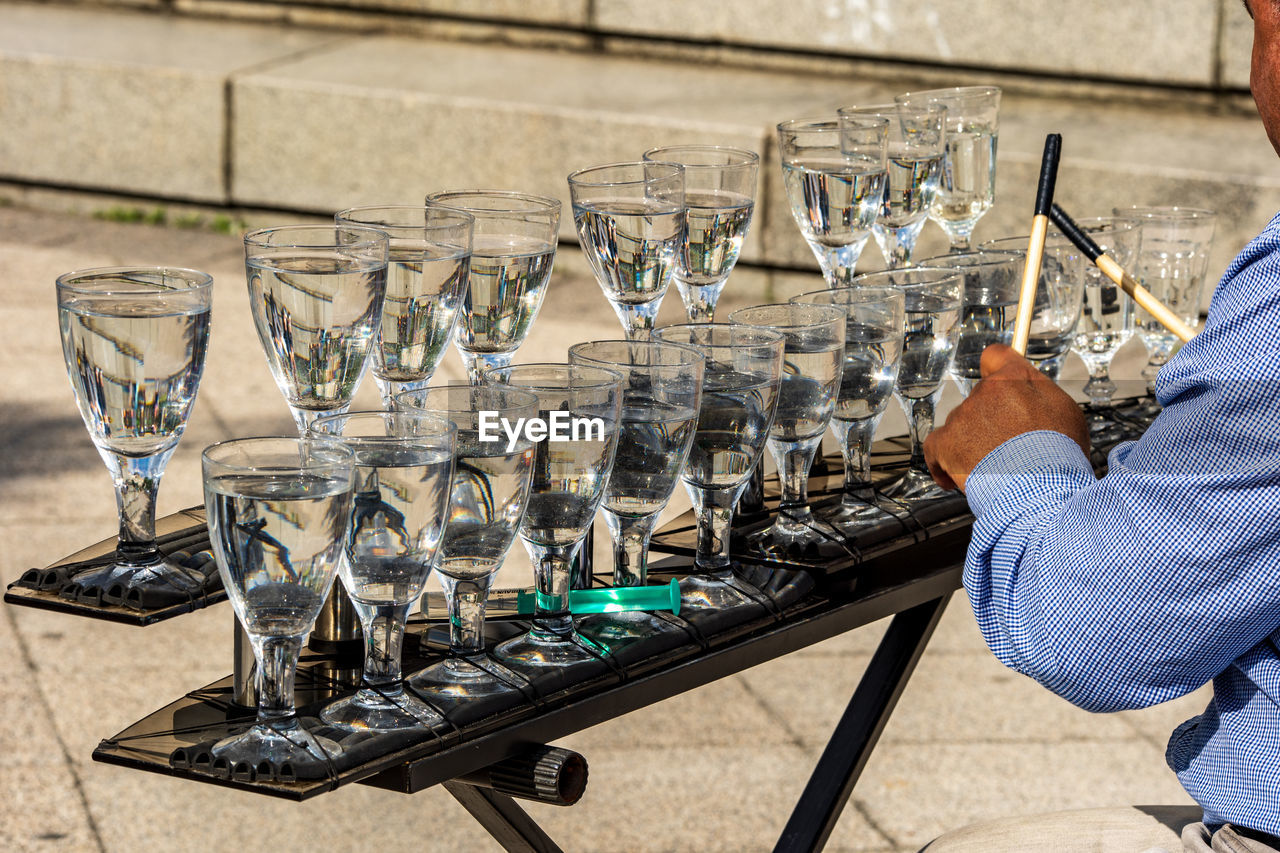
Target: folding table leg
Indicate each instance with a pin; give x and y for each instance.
(502, 818)
(859, 729)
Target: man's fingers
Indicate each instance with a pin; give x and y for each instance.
(940, 476)
(998, 356)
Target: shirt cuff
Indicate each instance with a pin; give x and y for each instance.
(1022, 460)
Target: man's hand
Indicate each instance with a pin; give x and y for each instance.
(1012, 398)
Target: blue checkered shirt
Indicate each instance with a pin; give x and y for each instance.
(1141, 586)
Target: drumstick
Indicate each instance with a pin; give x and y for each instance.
(1112, 270)
(1035, 245)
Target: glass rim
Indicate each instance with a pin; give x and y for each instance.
(892, 107)
(604, 379)
(260, 237)
(341, 218)
(818, 125)
(997, 256)
(518, 202)
(769, 336)
(958, 92)
(667, 345)
(578, 178)
(447, 427)
(331, 442)
(802, 324)
(875, 293)
(196, 280)
(1164, 212)
(496, 387)
(949, 276)
(748, 158)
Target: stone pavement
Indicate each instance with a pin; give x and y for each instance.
(714, 769)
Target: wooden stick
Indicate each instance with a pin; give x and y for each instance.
(1112, 270)
(1035, 245)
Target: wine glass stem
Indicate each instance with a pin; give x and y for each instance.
(700, 300)
(793, 459)
(477, 363)
(306, 417)
(630, 547)
(383, 626)
(136, 482)
(919, 412)
(551, 619)
(1100, 388)
(714, 509)
(466, 598)
(277, 665)
(856, 450)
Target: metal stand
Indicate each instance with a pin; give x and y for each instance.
(858, 731)
(502, 818)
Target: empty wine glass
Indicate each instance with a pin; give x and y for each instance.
(1172, 264)
(316, 295)
(580, 406)
(992, 284)
(720, 194)
(1106, 315)
(739, 400)
(875, 319)
(1059, 298)
(430, 255)
(512, 252)
(834, 173)
(968, 186)
(661, 392)
(631, 225)
(403, 469)
(933, 300)
(278, 510)
(134, 340)
(489, 494)
(811, 372)
(917, 144)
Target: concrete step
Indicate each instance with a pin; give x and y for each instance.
(262, 115)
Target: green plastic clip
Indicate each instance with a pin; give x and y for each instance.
(612, 599)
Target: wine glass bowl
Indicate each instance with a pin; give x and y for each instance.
(512, 252)
(134, 340)
(740, 386)
(403, 471)
(630, 219)
(316, 296)
(916, 148)
(429, 258)
(875, 318)
(720, 192)
(834, 173)
(661, 392)
(813, 359)
(278, 510)
(968, 185)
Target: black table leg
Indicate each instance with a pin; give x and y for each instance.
(859, 729)
(502, 818)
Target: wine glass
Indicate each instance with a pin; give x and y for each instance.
(134, 340)
(570, 474)
(513, 250)
(917, 144)
(992, 284)
(739, 400)
(430, 255)
(834, 173)
(933, 301)
(278, 510)
(968, 186)
(811, 376)
(631, 225)
(489, 494)
(403, 469)
(316, 296)
(875, 319)
(1106, 315)
(1172, 264)
(720, 194)
(1059, 298)
(661, 392)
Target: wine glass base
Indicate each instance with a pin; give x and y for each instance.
(133, 584)
(457, 679)
(851, 520)
(915, 486)
(287, 750)
(370, 711)
(708, 592)
(535, 650)
(624, 626)
(780, 541)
